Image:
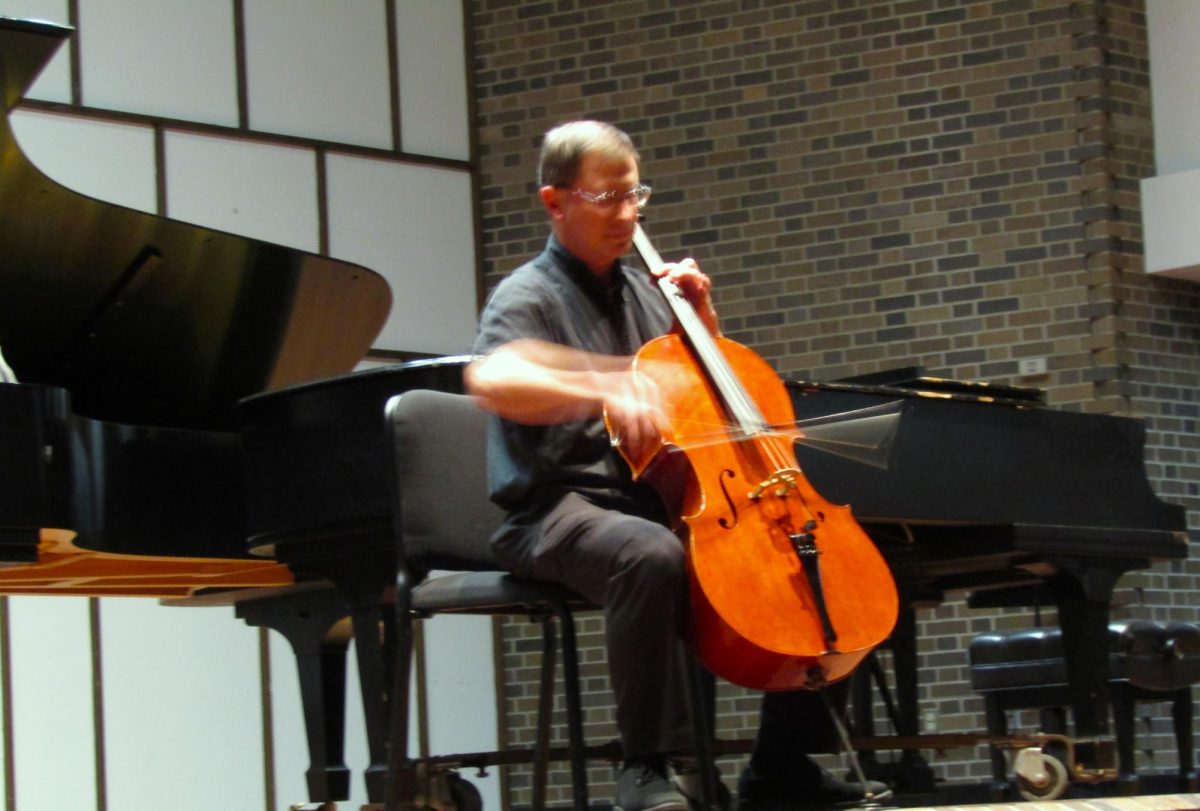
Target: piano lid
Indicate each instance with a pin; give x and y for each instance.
(149, 320)
(912, 381)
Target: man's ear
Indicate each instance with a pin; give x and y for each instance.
(551, 201)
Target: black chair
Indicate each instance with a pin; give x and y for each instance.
(443, 521)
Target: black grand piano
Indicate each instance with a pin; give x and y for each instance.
(126, 467)
(987, 491)
(186, 412)
(133, 337)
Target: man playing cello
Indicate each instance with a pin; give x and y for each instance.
(557, 336)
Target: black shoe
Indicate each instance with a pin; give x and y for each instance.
(644, 786)
(758, 792)
(690, 783)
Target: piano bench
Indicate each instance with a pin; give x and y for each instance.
(1148, 661)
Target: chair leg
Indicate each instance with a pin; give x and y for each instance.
(541, 762)
(997, 724)
(1181, 715)
(575, 741)
(1124, 702)
(1054, 721)
(401, 785)
(701, 697)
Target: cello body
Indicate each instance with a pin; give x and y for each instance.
(787, 589)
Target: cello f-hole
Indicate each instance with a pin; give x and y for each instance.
(724, 522)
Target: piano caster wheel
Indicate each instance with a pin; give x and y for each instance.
(1039, 776)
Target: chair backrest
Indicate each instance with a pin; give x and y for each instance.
(444, 516)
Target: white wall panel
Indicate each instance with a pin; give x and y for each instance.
(319, 69)
(357, 755)
(5, 714)
(1169, 201)
(291, 745)
(258, 190)
(1170, 211)
(433, 78)
(171, 58)
(52, 722)
(54, 84)
(183, 716)
(54, 11)
(1174, 65)
(101, 159)
(462, 694)
(413, 225)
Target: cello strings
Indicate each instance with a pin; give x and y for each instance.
(744, 410)
(746, 420)
(746, 415)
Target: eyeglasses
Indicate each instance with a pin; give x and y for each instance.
(638, 195)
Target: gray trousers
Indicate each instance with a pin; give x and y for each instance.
(636, 569)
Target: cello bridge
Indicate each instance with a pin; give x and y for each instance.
(779, 483)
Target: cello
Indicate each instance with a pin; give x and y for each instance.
(787, 590)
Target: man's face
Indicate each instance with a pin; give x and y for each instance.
(599, 235)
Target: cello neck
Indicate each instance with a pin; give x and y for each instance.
(737, 401)
(689, 320)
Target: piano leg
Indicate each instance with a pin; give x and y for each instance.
(912, 773)
(384, 643)
(915, 772)
(314, 624)
(374, 641)
(1083, 592)
(363, 577)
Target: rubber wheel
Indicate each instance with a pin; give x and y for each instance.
(1055, 785)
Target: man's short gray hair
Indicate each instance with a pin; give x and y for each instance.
(564, 147)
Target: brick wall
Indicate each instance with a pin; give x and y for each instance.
(874, 184)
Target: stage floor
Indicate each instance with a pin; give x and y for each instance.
(1153, 802)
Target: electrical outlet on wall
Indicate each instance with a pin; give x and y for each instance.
(1031, 367)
